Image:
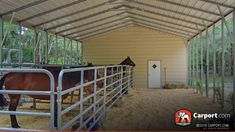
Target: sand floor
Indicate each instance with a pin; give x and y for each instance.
(141, 109)
(154, 109)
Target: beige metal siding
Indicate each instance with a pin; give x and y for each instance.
(141, 45)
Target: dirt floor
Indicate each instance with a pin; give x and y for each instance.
(154, 109)
(140, 109)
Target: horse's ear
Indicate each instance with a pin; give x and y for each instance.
(89, 64)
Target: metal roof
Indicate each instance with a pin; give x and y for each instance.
(82, 19)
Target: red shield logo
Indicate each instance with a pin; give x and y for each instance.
(183, 117)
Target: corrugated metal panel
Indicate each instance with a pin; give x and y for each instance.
(179, 12)
(141, 45)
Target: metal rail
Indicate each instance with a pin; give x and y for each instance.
(117, 80)
(23, 92)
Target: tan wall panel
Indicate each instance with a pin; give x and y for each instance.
(141, 45)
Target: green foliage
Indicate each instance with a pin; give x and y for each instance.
(230, 98)
(199, 86)
(218, 94)
(72, 56)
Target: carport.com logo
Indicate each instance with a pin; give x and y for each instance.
(183, 117)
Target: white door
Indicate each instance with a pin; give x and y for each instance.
(154, 74)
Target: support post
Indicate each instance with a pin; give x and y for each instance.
(207, 62)
(201, 51)
(81, 97)
(37, 47)
(1, 38)
(56, 49)
(105, 91)
(95, 96)
(222, 67)
(47, 45)
(64, 53)
(234, 63)
(214, 62)
(77, 58)
(189, 64)
(193, 68)
(82, 47)
(20, 45)
(71, 51)
(197, 62)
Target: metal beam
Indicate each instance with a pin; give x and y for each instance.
(189, 7)
(207, 64)
(1, 38)
(52, 10)
(23, 7)
(160, 20)
(170, 10)
(79, 19)
(159, 30)
(106, 31)
(163, 15)
(185, 34)
(20, 45)
(68, 15)
(226, 25)
(95, 26)
(106, 27)
(92, 22)
(233, 64)
(223, 63)
(214, 62)
(217, 3)
(160, 24)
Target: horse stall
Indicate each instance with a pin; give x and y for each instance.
(93, 95)
(117, 65)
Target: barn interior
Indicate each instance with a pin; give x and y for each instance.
(183, 50)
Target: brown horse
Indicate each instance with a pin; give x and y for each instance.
(128, 62)
(38, 82)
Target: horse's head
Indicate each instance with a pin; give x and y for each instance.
(128, 61)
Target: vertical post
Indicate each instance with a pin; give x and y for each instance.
(234, 63)
(56, 49)
(207, 62)
(202, 68)
(223, 43)
(197, 62)
(20, 45)
(47, 44)
(129, 78)
(112, 74)
(105, 88)
(34, 46)
(59, 100)
(122, 90)
(77, 58)
(193, 68)
(1, 38)
(64, 53)
(82, 53)
(71, 51)
(81, 97)
(189, 64)
(214, 62)
(95, 92)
